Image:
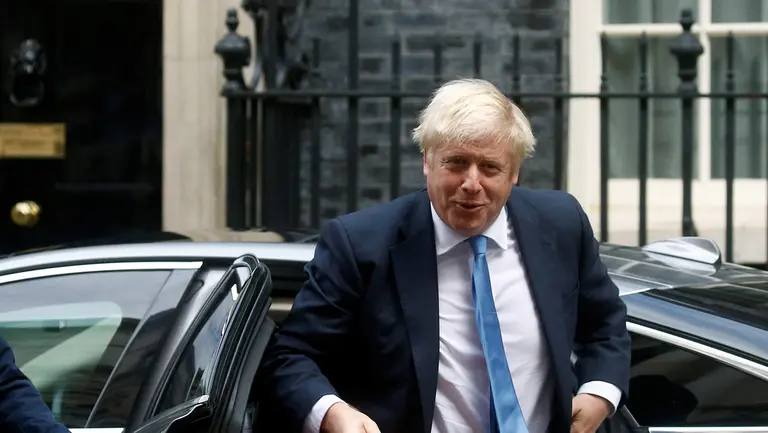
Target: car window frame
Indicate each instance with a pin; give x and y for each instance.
(198, 311)
(199, 324)
(53, 270)
(749, 367)
(233, 357)
(732, 360)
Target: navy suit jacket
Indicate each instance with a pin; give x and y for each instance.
(365, 324)
(22, 409)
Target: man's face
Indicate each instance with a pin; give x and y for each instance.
(469, 183)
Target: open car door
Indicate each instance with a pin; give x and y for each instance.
(217, 395)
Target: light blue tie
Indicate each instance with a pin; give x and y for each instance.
(506, 415)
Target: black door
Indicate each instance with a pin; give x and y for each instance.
(92, 70)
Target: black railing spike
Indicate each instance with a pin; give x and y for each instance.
(687, 49)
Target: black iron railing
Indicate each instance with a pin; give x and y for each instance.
(268, 125)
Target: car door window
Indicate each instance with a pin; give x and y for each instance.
(69, 331)
(220, 355)
(672, 387)
(195, 361)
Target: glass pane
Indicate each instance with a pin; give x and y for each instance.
(646, 11)
(69, 332)
(730, 11)
(664, 115)
(674, 388)
(750, 73)
(197, 358)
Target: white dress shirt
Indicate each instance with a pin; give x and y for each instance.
(462, 403)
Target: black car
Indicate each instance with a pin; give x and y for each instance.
(152, 332)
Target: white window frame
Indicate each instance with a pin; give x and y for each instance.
(664, 195)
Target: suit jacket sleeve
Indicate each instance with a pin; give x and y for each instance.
(22, 409)
(311, 340)
(602, 341)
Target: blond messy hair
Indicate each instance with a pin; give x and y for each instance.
(472, 110)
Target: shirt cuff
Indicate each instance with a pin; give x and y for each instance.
(315, 418)
(605, 390)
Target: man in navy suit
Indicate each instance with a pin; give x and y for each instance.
(455, 309)
(22, 409)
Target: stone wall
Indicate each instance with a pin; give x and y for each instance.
(194, 149)
(419, 24)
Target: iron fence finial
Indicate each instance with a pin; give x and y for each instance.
(235, 52)
(686, 48)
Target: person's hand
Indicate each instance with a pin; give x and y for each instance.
(589, 411)
(342, 418)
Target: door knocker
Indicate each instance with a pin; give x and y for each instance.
(28, 66)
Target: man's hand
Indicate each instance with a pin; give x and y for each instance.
(589, 411)
(342, 418)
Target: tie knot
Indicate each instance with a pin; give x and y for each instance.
(479, 244)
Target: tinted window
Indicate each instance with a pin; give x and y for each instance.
(746, 302)
(671, 387)
(68, 332)
(196, 359)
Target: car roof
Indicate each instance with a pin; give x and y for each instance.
(646, 270)
(154, 251)
(733, 291)
(722, 302)
(182, 235)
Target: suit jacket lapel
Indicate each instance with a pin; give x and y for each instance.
(539, 256)
(415, 268)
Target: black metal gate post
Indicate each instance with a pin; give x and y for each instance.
(605, 145)
(278, 120)
(235, 52)
(687, 49)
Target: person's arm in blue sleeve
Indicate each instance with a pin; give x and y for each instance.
(22, 409)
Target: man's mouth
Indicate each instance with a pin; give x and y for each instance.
(469, 205)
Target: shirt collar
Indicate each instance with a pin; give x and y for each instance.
(446, 239)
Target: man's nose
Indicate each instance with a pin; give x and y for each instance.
(472, 180)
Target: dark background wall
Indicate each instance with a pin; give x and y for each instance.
(419, 24)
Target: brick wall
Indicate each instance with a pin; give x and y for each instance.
(419, 24)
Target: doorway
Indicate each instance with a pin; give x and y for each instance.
(80, 120)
